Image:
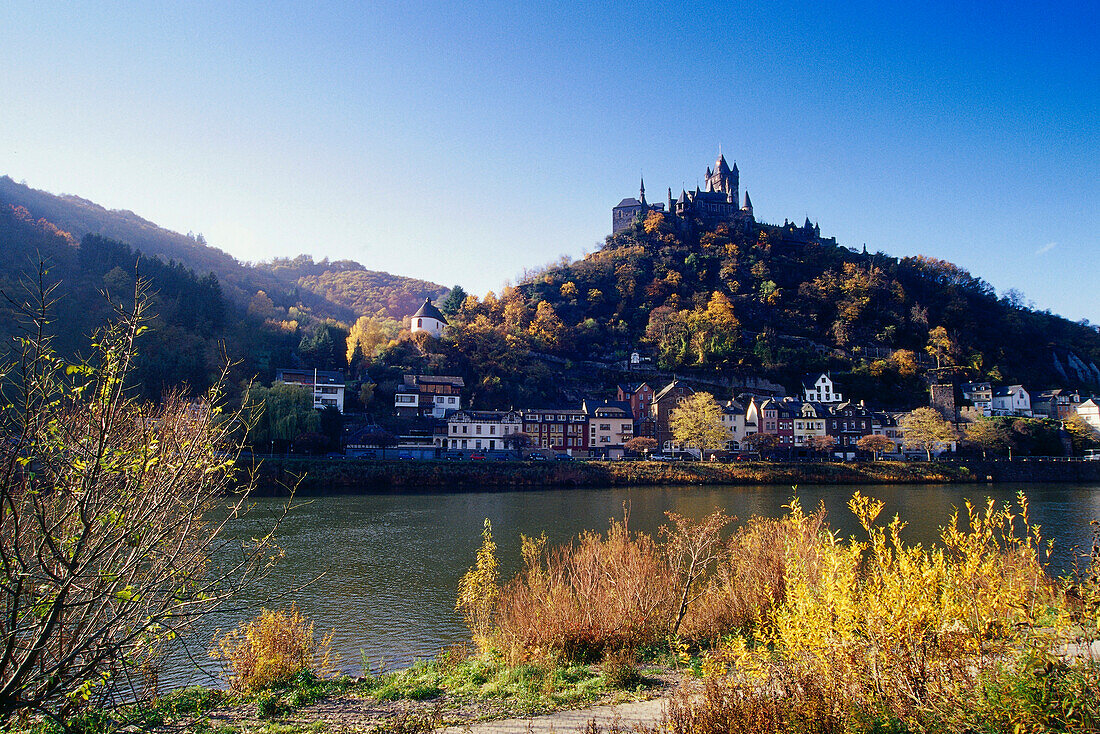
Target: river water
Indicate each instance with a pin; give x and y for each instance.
(389, 565)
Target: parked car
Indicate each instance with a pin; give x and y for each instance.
(536, 456)
(563, 457)
(453, 456)
(477, 457)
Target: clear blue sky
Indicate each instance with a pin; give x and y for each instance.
(463, 142)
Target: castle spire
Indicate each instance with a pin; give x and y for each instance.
(641, 195)
(670, 199)
(747, 208)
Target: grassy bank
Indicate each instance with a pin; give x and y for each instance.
(335, 475)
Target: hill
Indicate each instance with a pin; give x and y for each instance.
(340, 290)
(708, 301)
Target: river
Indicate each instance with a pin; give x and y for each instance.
(389, 564)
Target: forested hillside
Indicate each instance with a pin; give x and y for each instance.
(341, 290)
(348, 284)
(715, 301)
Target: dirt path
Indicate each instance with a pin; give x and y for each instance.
(626, 715)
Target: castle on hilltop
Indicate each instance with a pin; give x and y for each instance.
(718, 203)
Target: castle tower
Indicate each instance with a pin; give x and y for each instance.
(723, 179)
(641, 194)
(747, 208)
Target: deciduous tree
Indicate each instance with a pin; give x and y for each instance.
(697, 422)
(988, 435)
(925, 429)
(109, 544)
(876, 444)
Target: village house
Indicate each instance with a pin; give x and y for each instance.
(562, 429)
(1011, 400)
(886, 424)
(1058, 404)
(810, 421)
(1089, 410)
(980, 395)
(610, 425)
(482, 430)
(639, 396)
(819, 388)
(761, 414)
(428, 395)
(734, 418)
(326, 386)
(661, 407)
(849, 422)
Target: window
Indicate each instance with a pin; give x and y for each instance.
(419, 323)
(492, 429)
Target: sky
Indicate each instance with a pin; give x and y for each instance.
(466, 142)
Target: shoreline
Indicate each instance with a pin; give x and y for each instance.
(319, 476)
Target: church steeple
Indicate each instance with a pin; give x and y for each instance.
(641, 194)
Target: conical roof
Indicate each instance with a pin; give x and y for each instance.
(430, 312)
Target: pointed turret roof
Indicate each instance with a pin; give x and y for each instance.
(720, 165)
(683, 197)
(748, 202)
(429, 311)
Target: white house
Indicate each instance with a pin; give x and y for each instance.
(980, 394)
(327, 387)
(481, 430)
(1089, 410)
(1011, 400)
(820, 389)
(429, 319)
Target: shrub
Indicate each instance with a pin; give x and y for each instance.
(595, 595)
(272, 650)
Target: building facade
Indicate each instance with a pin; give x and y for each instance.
(482, 430)
(431, 395)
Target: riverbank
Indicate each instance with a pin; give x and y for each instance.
(316, 475)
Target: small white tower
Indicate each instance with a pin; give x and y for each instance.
(428, 319)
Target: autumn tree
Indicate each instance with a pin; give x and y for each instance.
(762, 443)
(822, 444)
(940, 345)
(546, 328)
(697, 422)
(641, 445)
(988, 435)
(925, 429)
(876, 444)
(368, 336)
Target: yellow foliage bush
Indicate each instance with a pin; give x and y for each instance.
(271, 649)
